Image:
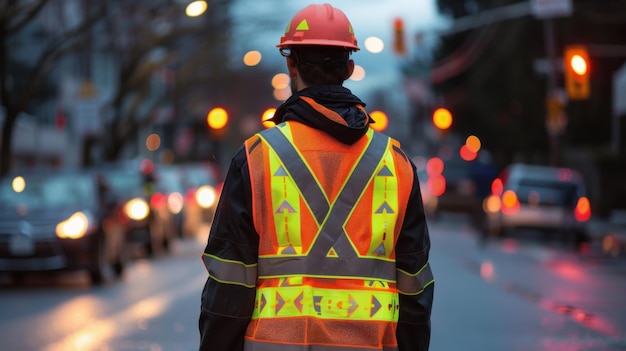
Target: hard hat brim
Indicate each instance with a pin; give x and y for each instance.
(320, 42)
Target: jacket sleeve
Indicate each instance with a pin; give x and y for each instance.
(412, 250)
(230, 257)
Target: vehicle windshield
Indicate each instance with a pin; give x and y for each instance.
(198, 176)
(45, 191)
(169, 180)
(548, 193)
(124, 183)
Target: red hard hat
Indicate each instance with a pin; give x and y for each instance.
(319, 25)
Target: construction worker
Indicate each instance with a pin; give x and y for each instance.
(319, 241)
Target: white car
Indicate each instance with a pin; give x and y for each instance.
(549, 199)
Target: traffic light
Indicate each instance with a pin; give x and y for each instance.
(399, 43)
(217, 118)
(576, 68)
(442, 118)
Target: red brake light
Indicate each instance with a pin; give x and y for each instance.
(158, 200)
(582, 212)
(434, 166)
(436, 185)
(510, 202)
(190, 196)
(497, 186)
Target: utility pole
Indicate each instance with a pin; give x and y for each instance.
(547, 10)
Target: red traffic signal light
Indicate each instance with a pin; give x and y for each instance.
(576, 67)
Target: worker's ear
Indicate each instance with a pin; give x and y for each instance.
(350, 69)
(292, 67)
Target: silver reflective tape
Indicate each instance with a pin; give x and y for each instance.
(413, 284)
(230, 272)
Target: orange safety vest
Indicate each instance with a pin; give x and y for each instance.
(328, 216)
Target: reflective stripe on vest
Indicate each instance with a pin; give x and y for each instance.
(253, 345)
(331, 241)
(299, 301)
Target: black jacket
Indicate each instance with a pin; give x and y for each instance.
(226, 309)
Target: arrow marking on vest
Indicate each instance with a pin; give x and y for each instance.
(285, 206)
(280, 302)
(288, 250)
(385, 172)
(298, 301)
(317, 302)
(376, 306)
(380, 250)
(280, 172)
(353, 305)
(263, 303)
(384, 208)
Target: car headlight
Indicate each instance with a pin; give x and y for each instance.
(175, 202)
(137, 209)
(74, 227)
(206, 196)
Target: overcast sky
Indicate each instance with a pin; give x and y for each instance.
(260, 25)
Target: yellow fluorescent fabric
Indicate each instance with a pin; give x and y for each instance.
(384, 208)
(286, 208)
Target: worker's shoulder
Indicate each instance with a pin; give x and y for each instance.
(397, 149)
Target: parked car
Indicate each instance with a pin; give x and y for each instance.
(145, 215)
(59, 221)
(169, 182)
(454, 185)
(544, 198)
(202, 184)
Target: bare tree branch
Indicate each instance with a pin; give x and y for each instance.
(24, 14)
(55, 50)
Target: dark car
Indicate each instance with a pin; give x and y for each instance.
(456, 185)
(60, 221)
(541, 198)
(147, 221)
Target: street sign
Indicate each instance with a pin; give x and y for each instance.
(86, 118)
(551, 8)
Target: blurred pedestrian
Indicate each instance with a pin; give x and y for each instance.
(319, 241)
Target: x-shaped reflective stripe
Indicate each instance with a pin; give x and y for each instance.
(331, 234)
(299, 171)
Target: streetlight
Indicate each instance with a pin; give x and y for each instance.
(381, 121)
(252, 58)
(267, 115)
(196, 8)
